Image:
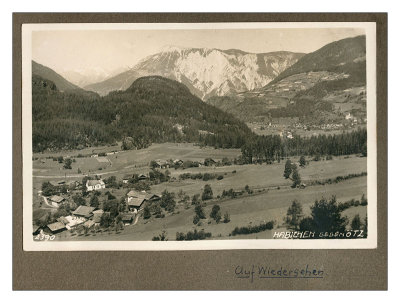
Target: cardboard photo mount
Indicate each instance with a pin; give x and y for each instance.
(343, 269)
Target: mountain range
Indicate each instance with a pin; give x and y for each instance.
(206, 72)
(319, 86)
(332, 78)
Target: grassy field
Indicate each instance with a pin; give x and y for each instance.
(271, 196)
(244, 211)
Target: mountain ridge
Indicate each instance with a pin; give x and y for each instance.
(205, 71)
(61, 83)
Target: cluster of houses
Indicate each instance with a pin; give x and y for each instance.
(167, 163)
(178, 163)
(90, 216)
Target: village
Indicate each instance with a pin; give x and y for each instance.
(66, 199)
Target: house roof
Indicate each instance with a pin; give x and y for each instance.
(137, 194)
(127, 217)
(73, 221)
(136, 201)
(56, 226)
(85, 211)
(98, 211)
(63, 220)
(56, 183)
(149, 196)
(94, 182)
(57, 199)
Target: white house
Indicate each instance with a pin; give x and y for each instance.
(95, 185)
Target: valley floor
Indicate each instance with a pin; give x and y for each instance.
(271, 197)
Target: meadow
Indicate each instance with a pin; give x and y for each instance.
(271, 196)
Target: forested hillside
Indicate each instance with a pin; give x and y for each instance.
(152, 109)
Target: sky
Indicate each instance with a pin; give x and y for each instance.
(79, 50)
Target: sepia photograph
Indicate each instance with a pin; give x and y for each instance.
(199, 136)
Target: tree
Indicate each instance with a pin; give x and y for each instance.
(153, 164)
(325, 217)
(216, 213)
(356, 222)
(196, 219)
(48, 189)
(196, 199)
(294, 215)
(79, 200)
(302, 161)
(111, 182)
(94, 201)
(168, 201)
(157, 211)
(365, 226)
(364, 149)
(199, 211)
(60, 159)
(296, 178)
(288, 169)
(67, 163)
(207, 193)
(146, 212)
(105, 220)
(110, 196)
(227, 218)
(111, 206)
(161, 237)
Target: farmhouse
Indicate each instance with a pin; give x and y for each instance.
(55, 228)
(95, 185)
(57, 183)
(84, 211)
(161, 164)
(56, 200)
(136, 202)
(71, 221)
(209, 162)
(142, 177)
(126, 178)
(127, 219)
(136, 199)
(178, 162)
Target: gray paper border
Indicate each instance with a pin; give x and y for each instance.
(343, 269)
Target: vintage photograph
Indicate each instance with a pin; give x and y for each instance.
(199, 136)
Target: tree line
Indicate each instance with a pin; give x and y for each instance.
(271, 148)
